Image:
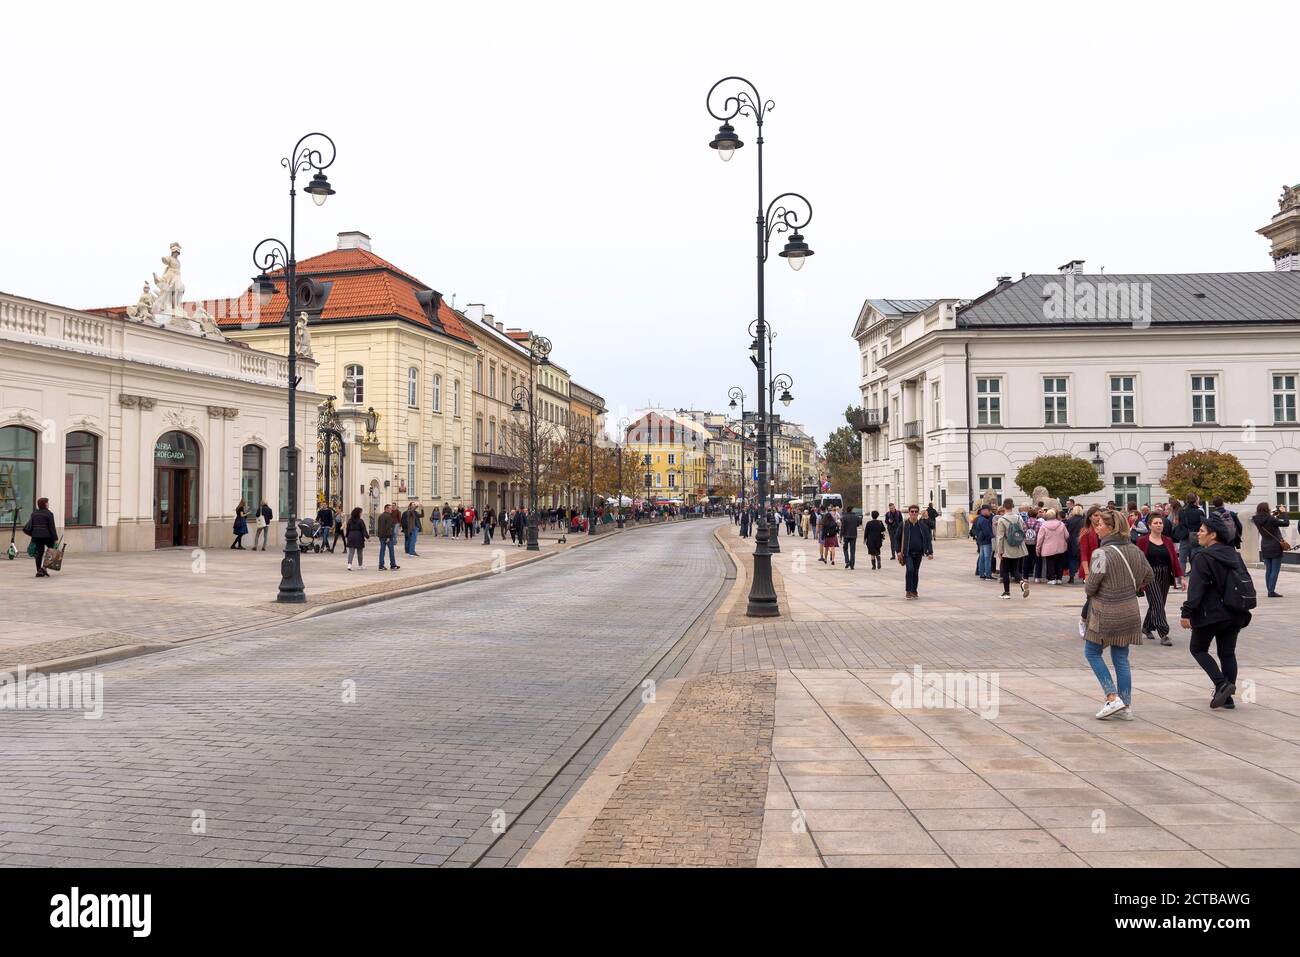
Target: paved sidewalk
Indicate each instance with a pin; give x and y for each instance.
(108, 599)
(866, 769)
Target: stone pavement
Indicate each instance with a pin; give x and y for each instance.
(867, 770)
(106, 599)
(416, 731)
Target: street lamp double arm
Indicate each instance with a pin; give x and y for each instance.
(539, 349)
(315, 151)
(788, 213)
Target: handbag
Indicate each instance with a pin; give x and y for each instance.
(1282, 542)
(31, 549)
(53, 560)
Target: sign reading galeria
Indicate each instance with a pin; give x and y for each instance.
(176, 448)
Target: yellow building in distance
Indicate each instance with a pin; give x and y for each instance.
(673, 454)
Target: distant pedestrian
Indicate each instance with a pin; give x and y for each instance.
(411, 528)
(354, 538)
(385, 531)
(263, 525)
(830, 535)
(1009, 547)
(981, 531)
(1190, 519)
(325, 519)
(1165, 571)
(1074, 524)
(893, 523)
(1271, 543)
(489, 525)
(240, 526)
(41, 529)
(849, 523)
(1053, 544)
(1220, 594)
(1117, 574)
(873, 536)
(916, 543)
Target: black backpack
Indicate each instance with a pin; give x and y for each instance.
(1238, 588)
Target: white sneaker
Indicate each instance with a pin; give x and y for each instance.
(1007, 597)
(1110, 707)
(1083, 628)
(1053, 582)
(349, 566)
(1125, 715)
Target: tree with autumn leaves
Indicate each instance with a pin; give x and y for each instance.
(1207, 473)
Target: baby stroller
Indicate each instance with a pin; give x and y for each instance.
(308, 535)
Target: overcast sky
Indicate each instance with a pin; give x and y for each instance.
(551, 160)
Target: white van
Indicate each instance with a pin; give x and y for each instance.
(830, 500)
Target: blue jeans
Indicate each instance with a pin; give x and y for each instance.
(1119, 657)
(386, 543)
(411, 538)
(985, 564)
(1272, 568)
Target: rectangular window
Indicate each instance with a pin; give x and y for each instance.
(455, 471)
(936, 407)
(1205, 400)
(412, 457)
(478, 375)
(672, 479)
(1055, 401)
(492, 380)
(991, 483)
(1126, 490)
(672, 458)
(435, 476)
(988, 401)
(1288, 490)
(413, 387)
(1122, 400)
(437, 393)
(81, 469)
(1284, 393)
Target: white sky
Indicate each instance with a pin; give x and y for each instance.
(551, 160)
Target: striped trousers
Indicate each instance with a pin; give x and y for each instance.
(1155, 620)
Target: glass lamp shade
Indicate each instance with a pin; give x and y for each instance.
(796, 262)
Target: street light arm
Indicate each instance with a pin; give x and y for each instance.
(745, 103)
(308, 157)
(274, 256)
(785, 217)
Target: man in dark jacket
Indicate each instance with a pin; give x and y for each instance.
(1190, 519)
(982, 531)
(1230, 519)
(893, 523)
(324, 518)
(411, 528)
(849, 523)
(1205, 612)
(384, 527)
(915, 543)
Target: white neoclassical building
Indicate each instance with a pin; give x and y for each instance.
(144, 431)
(1121, 370)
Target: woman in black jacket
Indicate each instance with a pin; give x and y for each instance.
(1073, 526)
(41, 530)
(873, 535)
(354, 537)
(1269, 525)
(1205, 613)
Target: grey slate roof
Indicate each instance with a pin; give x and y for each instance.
(901, 307)
(1174, 299)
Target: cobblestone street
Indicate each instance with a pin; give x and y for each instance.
(468, 702)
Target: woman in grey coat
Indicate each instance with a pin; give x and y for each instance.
(1117, 573)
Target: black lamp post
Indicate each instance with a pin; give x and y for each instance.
(623, 426)
(737, 394)
(789, 212)
(783, 382)
(588, 439)
(270, 255)
(539, 348)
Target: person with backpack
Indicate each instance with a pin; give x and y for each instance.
(1271, 543)
(1118, 573)
(1220, 596)
(1009, 547)
(1033, 563)
(1230, 520)
(1190, 518)
(829, 534)
(981, 530)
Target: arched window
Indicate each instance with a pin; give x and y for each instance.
(437, 392)
(357, 374)
(17, 471)
(80, 479)
(413, 387)
(250, 476)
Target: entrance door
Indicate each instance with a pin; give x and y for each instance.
(164, 501)
(175, 491)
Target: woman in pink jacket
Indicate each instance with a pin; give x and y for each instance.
(1053, 542)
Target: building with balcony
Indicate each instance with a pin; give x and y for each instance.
(1121, 370)
(500, 365)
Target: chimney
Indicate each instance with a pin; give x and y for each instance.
(488, 320)
(1003, 281)
(354, 239)
(475, 311)
(500, 326)
(1073, 268)
(1283, 231)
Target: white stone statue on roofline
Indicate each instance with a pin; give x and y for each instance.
(171, 290)
(143, 308)
(303, 344)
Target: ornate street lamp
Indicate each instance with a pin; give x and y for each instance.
(539, 350)
(268, 256)
(737, 394)
(788, 213)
